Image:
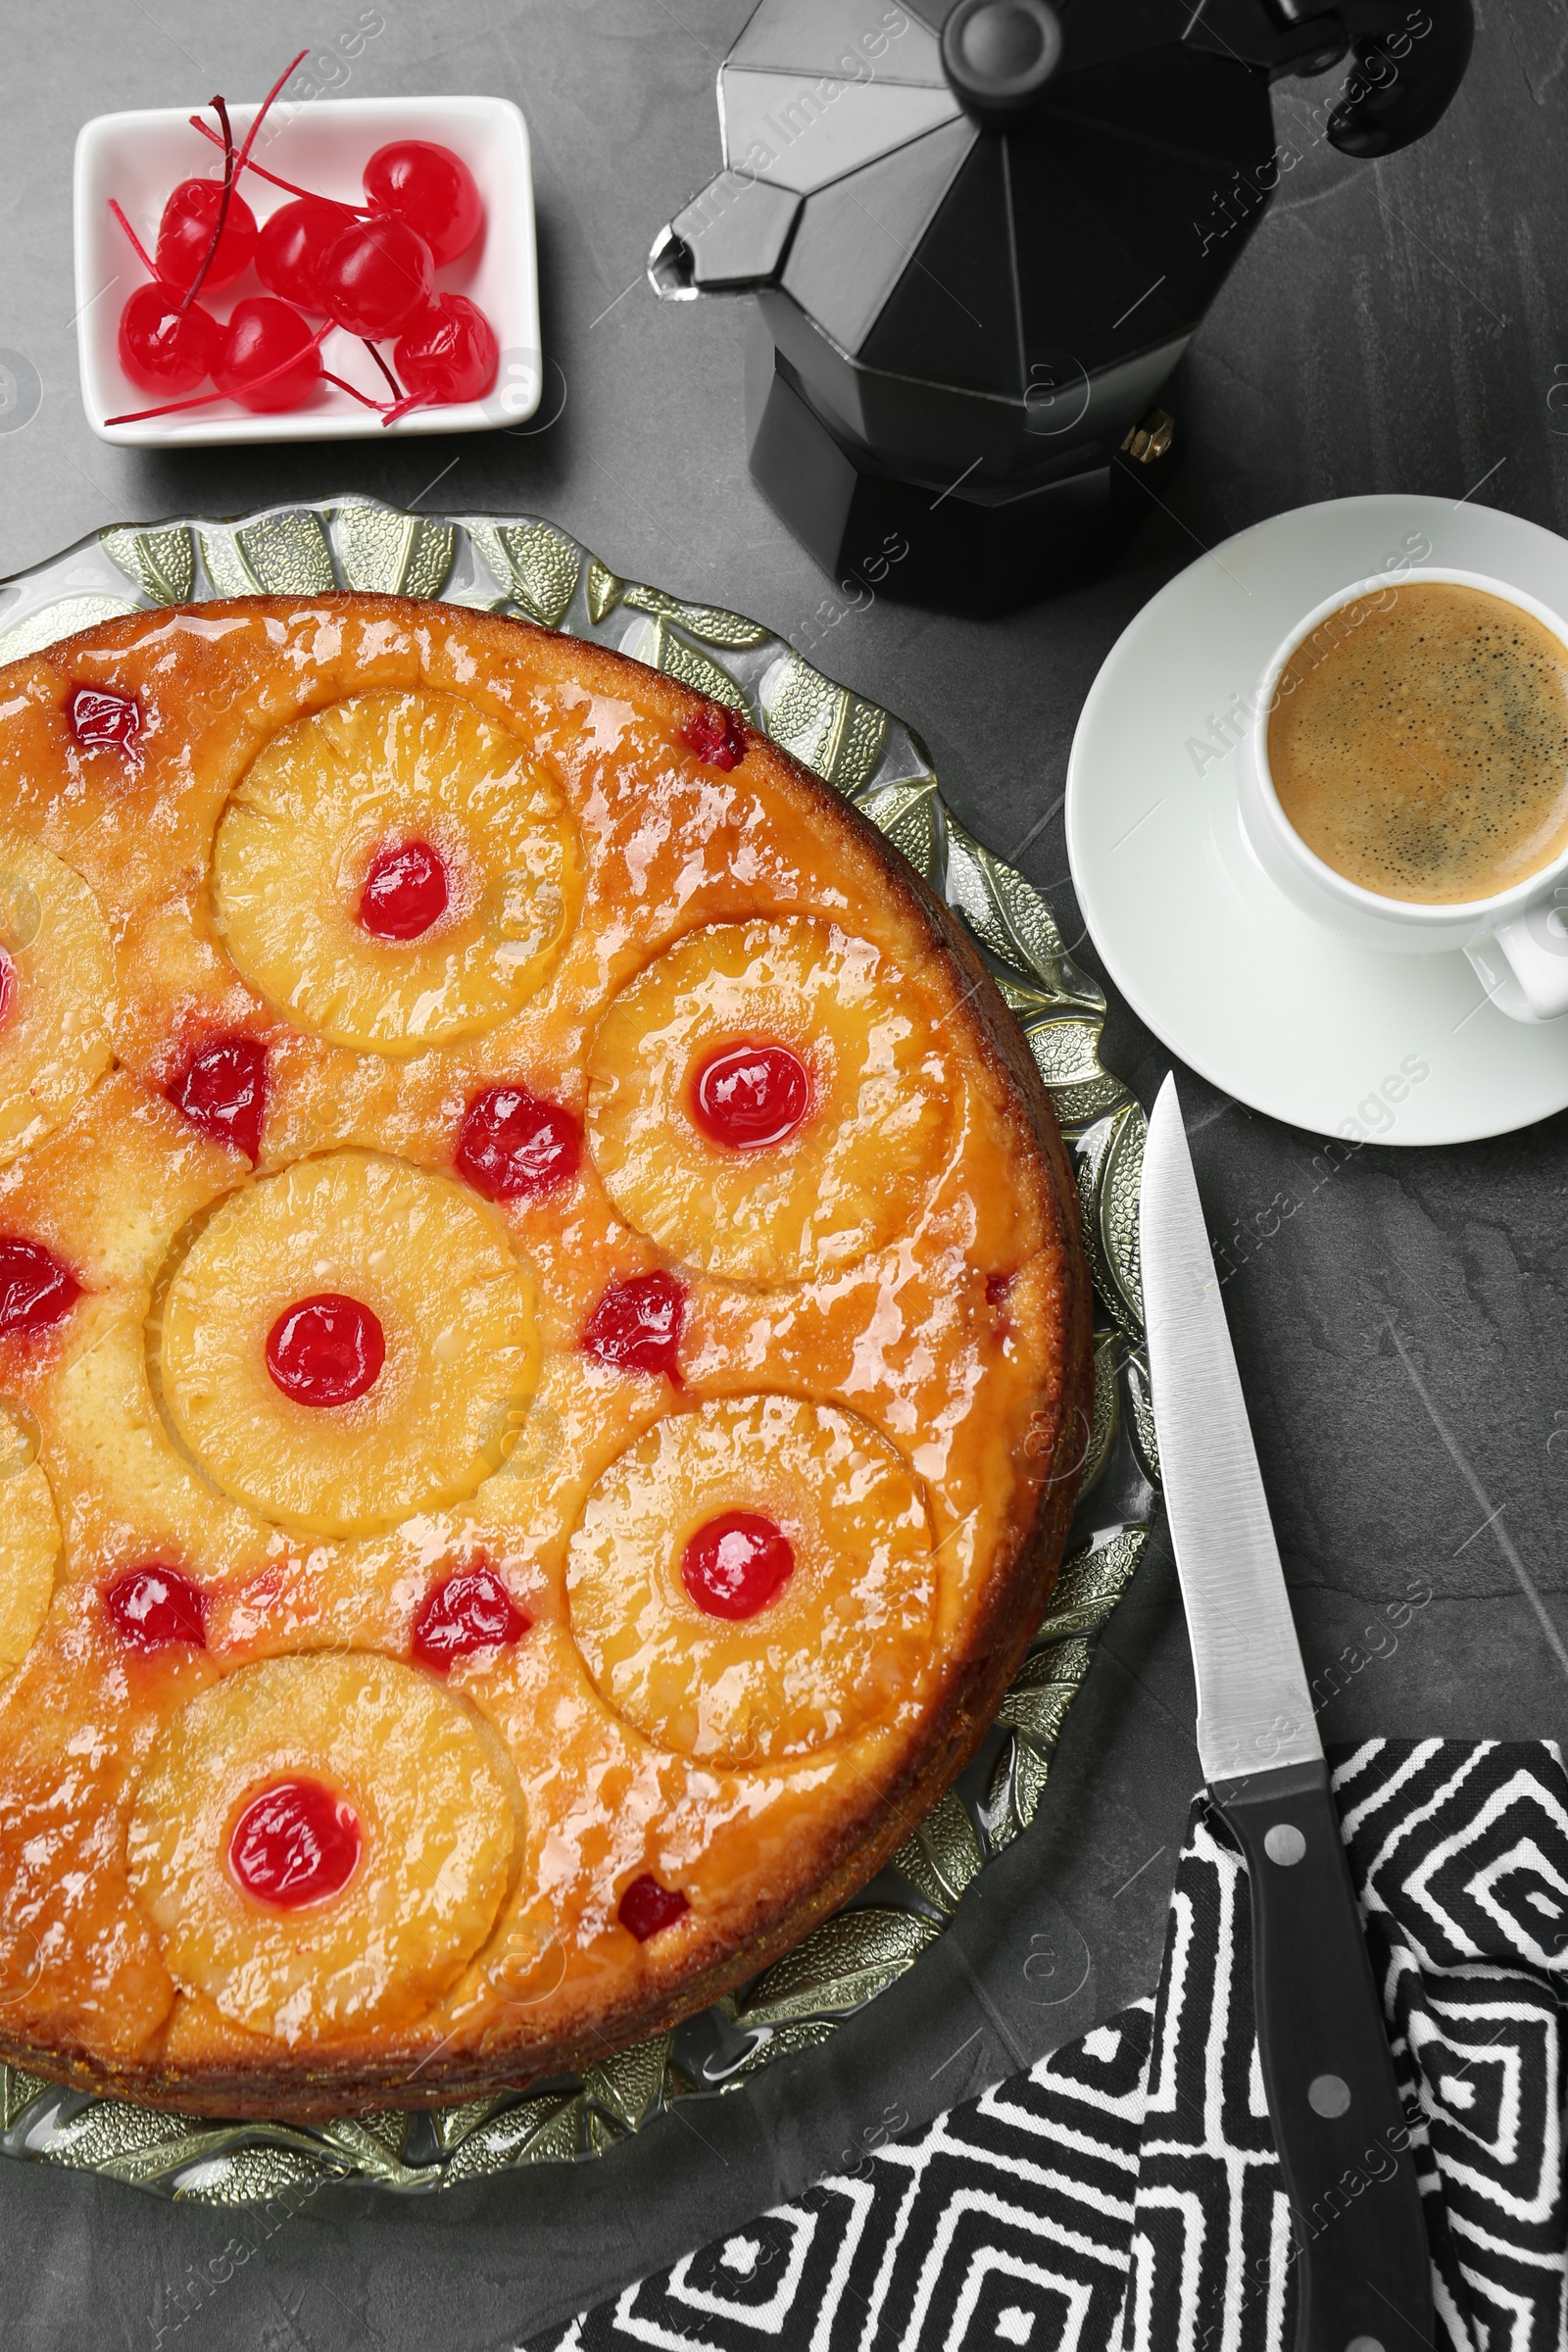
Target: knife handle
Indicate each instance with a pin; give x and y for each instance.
(1364, 2271)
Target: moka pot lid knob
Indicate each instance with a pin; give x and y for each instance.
(999, 55)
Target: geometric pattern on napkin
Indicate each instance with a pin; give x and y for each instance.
(1460, 1852)
(1005, 2222)
(1124, 2195)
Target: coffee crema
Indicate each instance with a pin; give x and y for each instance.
(1418, 743)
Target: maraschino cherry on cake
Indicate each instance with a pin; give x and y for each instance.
(543, 1355)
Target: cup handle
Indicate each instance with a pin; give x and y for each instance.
(1535, 947)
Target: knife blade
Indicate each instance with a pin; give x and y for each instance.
(1363, 2271)
(1254, 1704)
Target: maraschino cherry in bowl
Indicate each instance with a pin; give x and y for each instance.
(135, 161)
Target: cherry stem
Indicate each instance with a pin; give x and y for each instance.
(327, 377)
(203, 399)
(142, 254)
(401, 408)
(194, 288)
(261, 110)
(363, 211)
(232, 168)
(396, 388)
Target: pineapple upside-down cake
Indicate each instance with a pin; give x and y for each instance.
(543, 1353)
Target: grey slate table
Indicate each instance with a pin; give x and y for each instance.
(1401, 326)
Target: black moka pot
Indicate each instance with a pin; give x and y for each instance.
(980, 233)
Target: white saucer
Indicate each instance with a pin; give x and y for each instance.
(1269, 1006)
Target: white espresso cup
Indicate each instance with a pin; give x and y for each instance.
(1517, 939)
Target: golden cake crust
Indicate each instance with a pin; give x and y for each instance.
(960, 1341)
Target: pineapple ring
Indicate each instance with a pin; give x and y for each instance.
(456, 1308)
(29, 1537)
(841, 1645)
(302, 828)
(853, 1174)
(438, 1825)
(57, 989)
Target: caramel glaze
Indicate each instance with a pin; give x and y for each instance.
(988, 1403)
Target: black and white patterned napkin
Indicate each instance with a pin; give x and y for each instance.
(1124, 2194)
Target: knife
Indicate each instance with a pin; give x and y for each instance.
(1364, 2272)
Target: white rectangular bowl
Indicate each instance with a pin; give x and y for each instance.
(323, 145)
